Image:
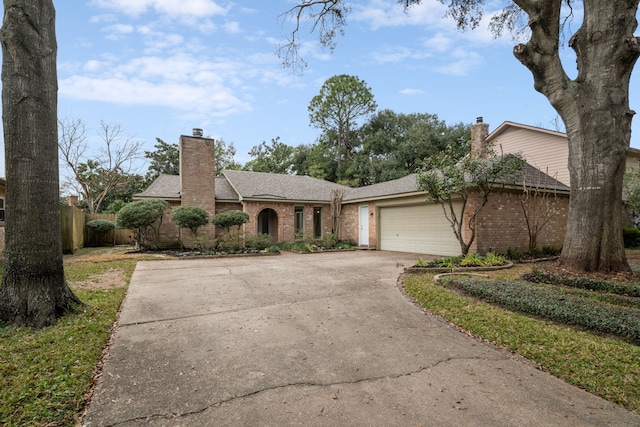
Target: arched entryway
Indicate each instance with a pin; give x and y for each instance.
(268, 223)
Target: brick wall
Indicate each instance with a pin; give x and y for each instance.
(286, 219)
(169, 232)
(501, 224)
(349, 223)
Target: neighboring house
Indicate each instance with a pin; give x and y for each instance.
(392, 215)
(544, 149)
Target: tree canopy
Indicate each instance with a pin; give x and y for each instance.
(594, 105)
(343, 99)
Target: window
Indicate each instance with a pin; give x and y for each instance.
(1, 208)
(298, 218)
(317, 223)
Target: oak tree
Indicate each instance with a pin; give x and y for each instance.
(34, 291)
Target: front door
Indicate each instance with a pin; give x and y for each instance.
(363, 225)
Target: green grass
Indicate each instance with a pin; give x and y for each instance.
(45, 374)
(607, 367)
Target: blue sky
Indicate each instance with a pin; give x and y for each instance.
(162, 67)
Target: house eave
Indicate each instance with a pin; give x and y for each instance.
(384, 197)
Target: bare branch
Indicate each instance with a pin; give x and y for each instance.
(326, 17)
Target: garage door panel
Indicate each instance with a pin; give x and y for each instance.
(417, 228)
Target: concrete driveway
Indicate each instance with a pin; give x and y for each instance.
(314, 340)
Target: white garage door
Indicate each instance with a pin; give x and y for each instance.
(421, 229)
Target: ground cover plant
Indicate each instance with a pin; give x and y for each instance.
(45, 375)
(470, 260)
(585, 353)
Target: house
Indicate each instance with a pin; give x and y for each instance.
(392, 215)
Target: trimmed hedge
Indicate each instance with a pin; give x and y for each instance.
(619, 288)
(555, 305)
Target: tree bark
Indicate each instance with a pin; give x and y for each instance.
(34, 291)
(595, 109)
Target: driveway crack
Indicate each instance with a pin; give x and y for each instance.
(173, 415)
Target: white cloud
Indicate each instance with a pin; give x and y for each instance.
(396, 54)
(388, 13)
(411, 92)
(197, 87)
(463, 62)
(166, 7)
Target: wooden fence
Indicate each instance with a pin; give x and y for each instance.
(76, 234)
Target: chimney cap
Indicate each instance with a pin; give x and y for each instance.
(479, 119)
(197, 132)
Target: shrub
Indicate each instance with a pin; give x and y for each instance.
(229, 219)
(515, 254)
(101, 225)
(144, 217)
(631, 237)
(472, 260)
(491, 259)
(259, 241)
(329, 241)
(230, 242)
(191, 217)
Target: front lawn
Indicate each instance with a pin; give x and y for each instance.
(599, 362)
(45, 375)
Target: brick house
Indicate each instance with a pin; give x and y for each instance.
(392, 215)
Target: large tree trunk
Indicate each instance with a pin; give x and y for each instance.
(34, 291)
(595, 109)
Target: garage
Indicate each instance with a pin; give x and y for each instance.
(420, 228)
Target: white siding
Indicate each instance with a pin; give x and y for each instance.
(540, 149)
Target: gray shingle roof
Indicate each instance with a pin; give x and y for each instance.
(256, 185)
(168, 187)
(276, 187)
(224, 190)
(164, 187)
(400, 186)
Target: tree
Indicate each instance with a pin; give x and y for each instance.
(191, 217)
(594, 105)
(165, 159)
(394, 144)
(342, 100)
(317, 161)
(274, 158)
(447, 180)
(230, 219)
(113, 163)
(34, 291)
(539, 205)
(225, 157)
(145, 218)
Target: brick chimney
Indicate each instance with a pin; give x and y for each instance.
(479, 133)
(72, 200)
(197, 175)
